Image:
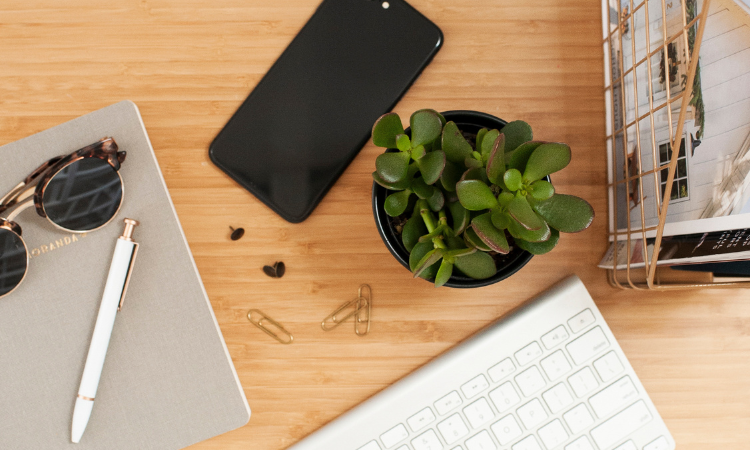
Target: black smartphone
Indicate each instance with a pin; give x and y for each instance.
(313, 111)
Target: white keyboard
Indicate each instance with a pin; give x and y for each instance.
(549, 375)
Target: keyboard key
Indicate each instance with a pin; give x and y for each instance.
(403, 447)
(453, 429)
(555, 365)
(454, 448)
(658, 444)
(481, 441)
(621, 424)
(582, 443)
(530, 381)
(479, 413)
(475, 386)
(583, 382)
(447, 403)
(504, 397)
(581, 320)
(627, 446)
(528, 353)
(532, 414)
(555, 337)
(578, 418)
(394, 436)
(609, 399)
(527, 443)
(608, 366)
(501, 370)
(506, 429)
(557, 398)
(427, 441)
(553, 434)
(420, 419)
(372, 445)
(587, 346)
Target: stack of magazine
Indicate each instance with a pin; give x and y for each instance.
(708, 218)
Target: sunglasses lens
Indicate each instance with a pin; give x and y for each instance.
(84, 195)
(13, 261)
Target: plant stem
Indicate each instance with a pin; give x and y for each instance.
(429, 221)
(426, 214)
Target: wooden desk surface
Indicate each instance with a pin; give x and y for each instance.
(189, 63)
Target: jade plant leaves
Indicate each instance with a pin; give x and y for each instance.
(480, 138)
(546, 159)
(396, 203)
(500, 219)
(486, 231)
(398, 186)
(418, 153)
(460, 217)
(413, 229)
(521, 211)
(472, 163)
(431, 166)
(540, 248)
(474, 195)
(444, 273)
(422, 189)
(519, 232)
(401, 184)
(403, 143)
(436, 200)
(478, 265)
(541, 190)
(455, 146)
(440, 116)
(512, 179)
(425, 127)
(450, 176)
(417, 254)
(516, 133)
(392, 167)
(517, 158)
(496, 161)
(488, 144)
(567, 213)
(430, 258)
(385, 130)
(471, 239)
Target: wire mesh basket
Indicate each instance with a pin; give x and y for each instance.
(652, 71)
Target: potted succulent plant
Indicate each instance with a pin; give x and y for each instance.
(465, 198)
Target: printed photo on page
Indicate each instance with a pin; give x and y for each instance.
(711, 187)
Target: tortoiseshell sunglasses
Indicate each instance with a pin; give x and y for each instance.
(79, 192)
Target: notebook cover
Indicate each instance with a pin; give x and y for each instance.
(168, 380)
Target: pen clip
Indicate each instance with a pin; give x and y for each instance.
(130, 272)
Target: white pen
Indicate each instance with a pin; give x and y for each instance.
(114, 294)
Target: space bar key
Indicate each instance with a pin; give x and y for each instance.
(622, 424)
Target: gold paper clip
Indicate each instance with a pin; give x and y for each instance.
(333, 320)
(285, 338)
(363, 314)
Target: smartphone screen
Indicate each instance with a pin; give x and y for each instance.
(313, 111)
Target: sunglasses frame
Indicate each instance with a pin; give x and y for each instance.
(30, 192)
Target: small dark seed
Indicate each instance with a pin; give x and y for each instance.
(280, 268)
(236, 233)
(270, 271)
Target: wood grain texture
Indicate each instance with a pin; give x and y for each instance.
(188, 64)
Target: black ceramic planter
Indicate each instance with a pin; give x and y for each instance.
(468, 121)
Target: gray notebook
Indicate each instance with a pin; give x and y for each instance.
(168, 379)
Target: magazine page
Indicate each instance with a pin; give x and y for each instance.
(711, 187)
(715, 246)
